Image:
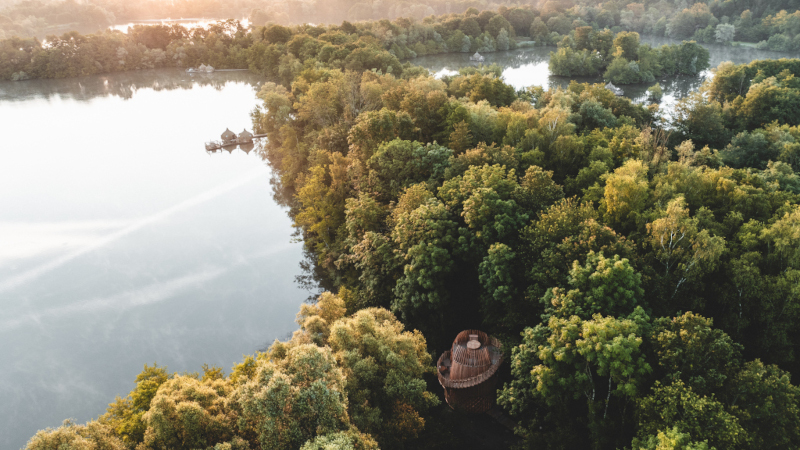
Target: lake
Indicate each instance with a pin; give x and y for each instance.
(123, 242)
(529, 67)
(187, 23)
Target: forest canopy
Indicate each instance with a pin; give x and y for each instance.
(771, 25)
(642, 271)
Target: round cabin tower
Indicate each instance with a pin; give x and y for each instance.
(468, 371)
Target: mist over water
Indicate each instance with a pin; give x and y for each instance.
(122, 242)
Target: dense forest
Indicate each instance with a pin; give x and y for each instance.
(773, 24)
(375, 45)
(642, 270)
(622, 59)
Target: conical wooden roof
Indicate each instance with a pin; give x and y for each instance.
(474, 357)
(228, 135)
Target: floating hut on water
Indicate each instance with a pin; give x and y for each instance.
(477, 57)
(468, 371)
(202, 69)
(617, 91)
(228, 137)
(229, 141)
(245, 137)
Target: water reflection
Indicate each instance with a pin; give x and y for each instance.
(246, 148)
(122, 85)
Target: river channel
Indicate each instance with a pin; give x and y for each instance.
(122, 242)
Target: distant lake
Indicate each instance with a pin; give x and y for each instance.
(188, 23)
(122, 242)
(529, 67)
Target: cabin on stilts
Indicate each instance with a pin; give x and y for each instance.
(468, 371)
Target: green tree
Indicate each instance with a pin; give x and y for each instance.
(293, 399)
(655, 93)
(347, 440)
(700, 119)
(725, 33)
(565, 232)
(503, 42)
(426, 239)
(373, 128)
(677, 406)
(597, 362)
(461, 138)
(601, 286)
(497, 24)
(767, 405)
(684, 251)
(383, 365)
(688, 348)
(749, 150)
(622, 71)
(626, 194)
(784, 235)
(70, 436)
(628, 43)
(671, 439)
(594, 115)
(125, 415)
(399, 164)
(187, 413)
(470, 27)
(539, 31)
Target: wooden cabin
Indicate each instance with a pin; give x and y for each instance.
(228, 137)
(468, 371)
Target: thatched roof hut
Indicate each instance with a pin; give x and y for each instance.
(228, 136)
(245, 137)
(468, 371)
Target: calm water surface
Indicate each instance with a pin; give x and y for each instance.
(122, 242)
(188, 23)
(529, 67)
